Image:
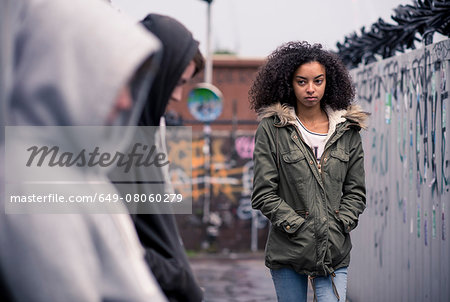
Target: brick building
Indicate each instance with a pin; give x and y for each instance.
(222, 216)
(233, 76)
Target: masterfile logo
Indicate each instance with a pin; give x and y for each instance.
(102, 169)
(140, 155)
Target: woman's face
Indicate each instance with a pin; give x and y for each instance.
(309, 84)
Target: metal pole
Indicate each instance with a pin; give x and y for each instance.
(206, 126)
(208, 65)
(207, 178)
(254, 231)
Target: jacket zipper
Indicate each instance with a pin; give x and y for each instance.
(318, 165)
(305, 144)
(324, 155)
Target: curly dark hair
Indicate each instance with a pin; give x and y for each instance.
(273, 83)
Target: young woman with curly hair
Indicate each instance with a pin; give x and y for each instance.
(308, 169)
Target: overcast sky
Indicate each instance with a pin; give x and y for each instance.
(254, 28)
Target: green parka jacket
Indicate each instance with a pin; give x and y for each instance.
(312, 207)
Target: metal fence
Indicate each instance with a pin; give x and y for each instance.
(413, 22)
(402, 247)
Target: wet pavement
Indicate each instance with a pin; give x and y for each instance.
(235, 278)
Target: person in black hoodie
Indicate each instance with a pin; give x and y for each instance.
(158, 233)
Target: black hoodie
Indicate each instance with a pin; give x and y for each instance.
(179, 48)
(158, 233)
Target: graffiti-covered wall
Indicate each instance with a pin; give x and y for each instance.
(221, 190)
(401, 249)
(222, 216)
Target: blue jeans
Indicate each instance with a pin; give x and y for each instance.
(291, 286)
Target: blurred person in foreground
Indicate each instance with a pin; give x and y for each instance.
(69, 70)
(158, 233)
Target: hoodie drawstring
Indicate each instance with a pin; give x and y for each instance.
(334, 286)
(313, 285)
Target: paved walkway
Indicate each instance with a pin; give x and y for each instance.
(235, 278)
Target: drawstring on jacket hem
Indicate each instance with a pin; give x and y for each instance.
(313, 285)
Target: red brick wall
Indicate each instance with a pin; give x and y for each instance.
(233, 76)
(231, 162)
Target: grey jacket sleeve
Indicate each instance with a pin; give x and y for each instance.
(69, 257)
(42, 258)
(265, 183)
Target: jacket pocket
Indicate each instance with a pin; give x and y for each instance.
(338, 218)
(337, 164)
(301, 230)
(339, 241)
(294, 167)
(297, 248)
(303, 213)
(293, 156)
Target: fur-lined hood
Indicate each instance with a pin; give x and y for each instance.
(286, 115)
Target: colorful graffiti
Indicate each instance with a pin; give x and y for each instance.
(228, 178)
(244, 146)
(228, 183)
(414, 94)
(407, 161)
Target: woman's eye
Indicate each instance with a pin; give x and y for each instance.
(301, 82)
(319, 82)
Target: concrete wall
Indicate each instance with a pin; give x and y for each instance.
(401, 248)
